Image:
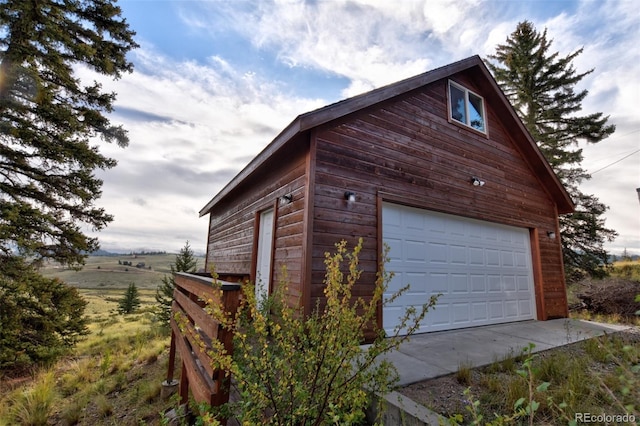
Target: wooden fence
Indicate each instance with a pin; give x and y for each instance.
(192, 338)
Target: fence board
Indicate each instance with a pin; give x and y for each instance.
(193, 335)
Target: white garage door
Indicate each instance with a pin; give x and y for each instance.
(482, 269)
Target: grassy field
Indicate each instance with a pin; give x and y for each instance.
(105, 272)
(112, 377)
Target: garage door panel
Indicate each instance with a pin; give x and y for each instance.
(524, 307)
(511, 309)
(437, 253)
(482, 269)
(496, 311)
(439, 316)
(415, 251)
(479, 312)
(478, 283)
(460, 313)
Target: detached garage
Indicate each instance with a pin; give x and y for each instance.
(439, 168)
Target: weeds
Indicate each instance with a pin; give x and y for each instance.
(597, 376)
(463, 375)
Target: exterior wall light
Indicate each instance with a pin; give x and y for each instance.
(477, 182)
(551, 235)
(286, 199)
(350, 196)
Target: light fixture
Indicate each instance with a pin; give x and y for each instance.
(551, 234)
(477, 182)
(350, 196)
(286, 199)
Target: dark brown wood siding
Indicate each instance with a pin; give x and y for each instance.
(232, 222)
(406, 150)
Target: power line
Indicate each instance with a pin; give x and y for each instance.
(615, 162)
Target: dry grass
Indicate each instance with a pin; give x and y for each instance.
(113, 377)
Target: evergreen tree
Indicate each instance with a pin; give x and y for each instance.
(49, 120)
(541, 87)
(130, 302)
(185, 262)
(40, 318)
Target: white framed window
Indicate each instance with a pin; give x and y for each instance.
(466, 107)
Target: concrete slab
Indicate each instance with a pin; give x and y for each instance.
(431, 355)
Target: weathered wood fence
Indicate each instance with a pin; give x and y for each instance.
(192, 338)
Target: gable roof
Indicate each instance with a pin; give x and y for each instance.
(309, 120)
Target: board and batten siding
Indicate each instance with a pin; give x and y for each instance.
(405, 150)
(231, 243)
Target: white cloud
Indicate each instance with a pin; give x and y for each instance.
(192, 127)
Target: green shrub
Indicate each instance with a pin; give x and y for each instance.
(291, 369)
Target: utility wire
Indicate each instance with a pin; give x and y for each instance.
(615, 162)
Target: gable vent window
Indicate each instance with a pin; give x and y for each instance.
(466, 107)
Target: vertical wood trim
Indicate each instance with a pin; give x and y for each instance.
(307, 223)
(380, 238)
(206, 257)
(561, 258)
(254, 247)
(538, 281)
(272, 249)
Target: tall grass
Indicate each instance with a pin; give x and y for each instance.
(599, 375)
(627, 269)
(32, 407)
(112, 377)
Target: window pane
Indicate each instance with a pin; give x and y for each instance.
(476, 118)
(456, 99)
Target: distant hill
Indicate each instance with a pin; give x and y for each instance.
(101, 252)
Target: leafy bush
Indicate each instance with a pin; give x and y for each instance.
(40, 318)
(291, 369)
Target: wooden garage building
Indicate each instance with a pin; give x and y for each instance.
(437, 166)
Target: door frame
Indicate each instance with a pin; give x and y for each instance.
(258, 246)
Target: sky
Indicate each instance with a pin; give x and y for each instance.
(215, 81)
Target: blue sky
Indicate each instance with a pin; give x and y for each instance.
(215, 81)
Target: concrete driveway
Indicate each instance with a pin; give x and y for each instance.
(431, 355)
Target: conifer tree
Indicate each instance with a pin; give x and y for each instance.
(50, 121)
(130, 302)
(40, 318)
(541, 86)
(185, 262)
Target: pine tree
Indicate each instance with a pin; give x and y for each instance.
(130, 302)
(185, 262)
(40, 318)
(541, 86)
(49, 120)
